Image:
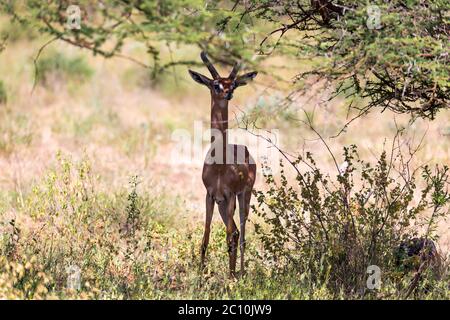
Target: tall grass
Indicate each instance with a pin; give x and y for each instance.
(126, 248)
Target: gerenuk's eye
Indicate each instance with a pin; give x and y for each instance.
(217, 87)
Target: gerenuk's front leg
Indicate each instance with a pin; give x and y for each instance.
(209, 214)
(232, 235)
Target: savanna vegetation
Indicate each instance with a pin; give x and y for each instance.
(93, 205)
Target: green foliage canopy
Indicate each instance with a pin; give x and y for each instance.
(392, 54)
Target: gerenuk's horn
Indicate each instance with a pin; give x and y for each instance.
(235, 71)
(209, 65)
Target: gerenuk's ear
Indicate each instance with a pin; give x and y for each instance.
(246, 78)
(200, 78)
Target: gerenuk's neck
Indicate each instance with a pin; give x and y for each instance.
(219, 120)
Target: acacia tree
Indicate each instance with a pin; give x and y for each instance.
(395, 53)
(387, 54)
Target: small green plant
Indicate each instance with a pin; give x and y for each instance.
(3, 94)
(11, 240)
(57, 66)
(132, 210)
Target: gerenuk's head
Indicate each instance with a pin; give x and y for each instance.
(221, 88)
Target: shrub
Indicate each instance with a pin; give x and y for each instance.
(57, 66)
(15, 31)
(17, 130)
(333, 229)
